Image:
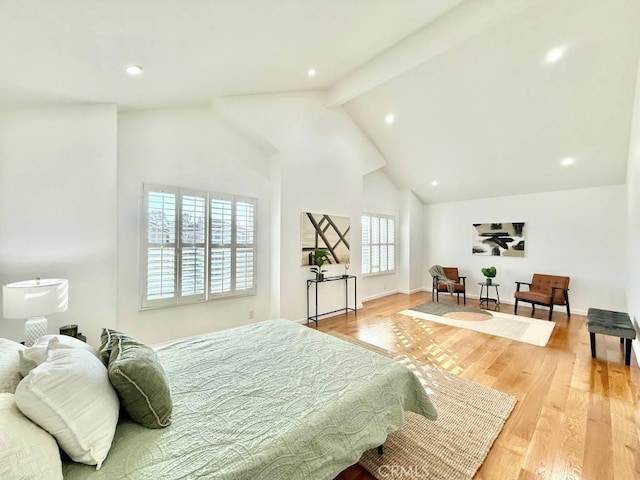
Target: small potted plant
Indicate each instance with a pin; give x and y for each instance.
(489, 273)
(319, 257)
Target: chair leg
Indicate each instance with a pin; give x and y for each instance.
(515, 308)
(432, 294)
(380, 449)
(550, 311)
(592, 339)
(437, 295)
(458, 298)
(621, 340)
(566, 299)
(464, 296)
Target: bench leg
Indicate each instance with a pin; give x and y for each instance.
(627, 353)
(592, 337)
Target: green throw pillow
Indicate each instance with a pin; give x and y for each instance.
(136, 374)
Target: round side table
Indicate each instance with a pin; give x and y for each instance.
(486, 299)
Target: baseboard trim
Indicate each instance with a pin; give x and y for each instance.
(409, 292)
(381, 295)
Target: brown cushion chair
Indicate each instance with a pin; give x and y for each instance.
(547, 290)
(458, 287)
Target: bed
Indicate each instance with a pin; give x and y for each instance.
(273, 400)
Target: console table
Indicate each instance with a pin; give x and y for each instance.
(345, 279)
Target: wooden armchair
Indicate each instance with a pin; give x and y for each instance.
(458, 286)
(547, 290)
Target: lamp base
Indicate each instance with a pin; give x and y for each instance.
(34, 328)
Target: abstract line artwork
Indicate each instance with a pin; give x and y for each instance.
(325, 232)
(499, 239)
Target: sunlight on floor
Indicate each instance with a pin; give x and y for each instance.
(434, 353)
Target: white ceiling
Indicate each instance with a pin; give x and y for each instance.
(192, 50)
(483, 116)
(490, 118)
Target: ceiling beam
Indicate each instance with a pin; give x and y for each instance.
(458, 25)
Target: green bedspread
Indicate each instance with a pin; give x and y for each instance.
(273, 400)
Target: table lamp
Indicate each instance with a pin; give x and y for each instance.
(32, 299)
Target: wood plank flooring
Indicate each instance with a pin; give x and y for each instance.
(576, 417)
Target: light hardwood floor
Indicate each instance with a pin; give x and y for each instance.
(576, 417)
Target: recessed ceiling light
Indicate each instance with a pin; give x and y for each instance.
(554, 54)
(565, 162)
(390, 118)
(133, 70)
(435, 183)
(311, 72)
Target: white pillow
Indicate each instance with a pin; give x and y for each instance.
(33, 356)
(67, 341)
(9, 365)
(70, 396)
(26, 450)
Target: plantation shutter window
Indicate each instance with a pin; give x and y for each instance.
(160, 245)
(221, 207)
(378, 244)
(245, 244)
(193, 229)
(196, 246)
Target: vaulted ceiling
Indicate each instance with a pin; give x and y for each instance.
(477, 107)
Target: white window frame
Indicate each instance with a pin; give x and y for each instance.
(371, 244)
(178, 298)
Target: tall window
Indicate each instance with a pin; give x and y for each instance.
(378, 244)
(196, 246)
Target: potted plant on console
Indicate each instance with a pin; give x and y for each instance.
(489, 273)
(319, 257)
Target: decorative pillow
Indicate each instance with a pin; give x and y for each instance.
(26, 450)
(138, 377)
(9, 365)
(33, 356)
(70, 396)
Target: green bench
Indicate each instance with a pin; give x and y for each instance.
(616, 324)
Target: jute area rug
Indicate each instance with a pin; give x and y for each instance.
(470, 417)
(523, 329)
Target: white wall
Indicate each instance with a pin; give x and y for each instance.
(192, 148)
(633, 221)
(410, 243)
(57, 209)
(322, 156)
(579, 233)
(380, 196)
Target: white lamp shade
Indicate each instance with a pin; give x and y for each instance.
(34, 298)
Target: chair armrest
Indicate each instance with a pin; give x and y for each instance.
(463, 280)
(522, 283)
(560, 288)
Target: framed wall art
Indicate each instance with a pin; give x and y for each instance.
(325, 232)
(499, 239)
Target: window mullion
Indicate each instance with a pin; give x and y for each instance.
(207, 247)
(234, 246)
